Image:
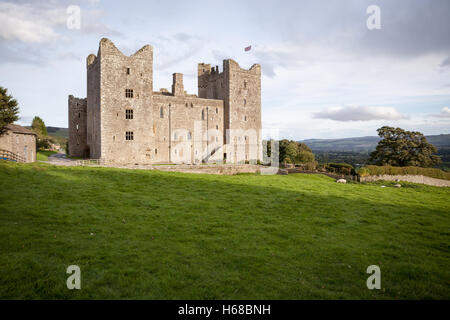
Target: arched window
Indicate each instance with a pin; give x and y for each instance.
(161, 112)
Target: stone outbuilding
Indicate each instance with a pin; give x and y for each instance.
(18, 144)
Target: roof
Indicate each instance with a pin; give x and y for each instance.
(19, 129)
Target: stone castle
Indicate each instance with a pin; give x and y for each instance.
(123, 120)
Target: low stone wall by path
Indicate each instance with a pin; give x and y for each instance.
(225, 169)
(409, 178)
(329, 174)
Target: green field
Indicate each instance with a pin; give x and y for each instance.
(161, 235)
(42, 155)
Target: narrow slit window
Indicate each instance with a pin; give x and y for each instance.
(161, 112)
(128, 70)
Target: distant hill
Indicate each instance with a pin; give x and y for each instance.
(58, 135)
(59, 132)
(356, 151)
(365, 144)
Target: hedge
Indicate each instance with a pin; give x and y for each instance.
(372, 170)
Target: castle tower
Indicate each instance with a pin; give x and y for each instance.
(118, 98)
(77, 127)
(240, 89)
(177, 84)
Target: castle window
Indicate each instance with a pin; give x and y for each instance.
(245, 102)
(128, 71)
(129, 114)
(217, 110)
(129, 93)
(129, 135)
(245, 83)
(77, 127)
(186, 104)
(203, 114)
(156, 152)
(245, 118)
(114, 138)
(217, 127)
(161, 112)
(79, 115)
(192, 105)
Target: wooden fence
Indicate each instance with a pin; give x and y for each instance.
(10, 156)
(91, 162)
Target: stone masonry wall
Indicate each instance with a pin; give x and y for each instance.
(240, 90)
(22, 144)
(120, 73)
(409, 178)
(166, 126)
(77, 127)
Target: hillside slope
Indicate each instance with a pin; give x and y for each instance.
(361, 144)
(147, 234)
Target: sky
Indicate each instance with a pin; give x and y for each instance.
(325, 74)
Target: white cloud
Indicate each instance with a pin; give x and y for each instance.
(28, 23)
(359, 113)
(445, 113)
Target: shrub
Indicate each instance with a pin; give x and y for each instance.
(389, 170)
(342, 168)
(363, 172)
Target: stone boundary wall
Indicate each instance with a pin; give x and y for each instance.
(211, 169)
(408, 178)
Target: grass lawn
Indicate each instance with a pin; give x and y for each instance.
(163, 235)
(43, 155)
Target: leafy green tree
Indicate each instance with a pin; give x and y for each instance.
(39, 127)
(288, 149)
(8, 109)
(304, 154)
(402, 148)
(295, 152)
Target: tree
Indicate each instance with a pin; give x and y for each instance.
(288, 149)
(304, 154)
(296, 152)
(8, 109)
(403, 148)
(39, 127)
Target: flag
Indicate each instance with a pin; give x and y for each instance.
(248, 48)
